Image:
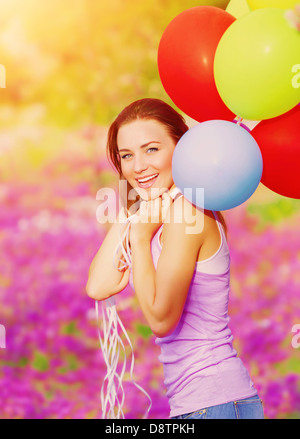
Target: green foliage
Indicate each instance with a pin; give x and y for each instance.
(40, 362)
(276, 211)
(143, 330)
(83, 60)
(70, 328)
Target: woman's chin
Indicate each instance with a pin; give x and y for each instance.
(151, 193)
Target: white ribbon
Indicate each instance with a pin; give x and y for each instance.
(112, 392)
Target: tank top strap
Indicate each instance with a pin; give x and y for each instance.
(221, 228)
(174, 194)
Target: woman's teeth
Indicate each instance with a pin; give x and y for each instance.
(144, 180)
(147, 181)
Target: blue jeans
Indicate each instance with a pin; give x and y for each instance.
(249, 408)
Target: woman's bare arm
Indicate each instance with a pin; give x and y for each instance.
(104, 280)
(162, 293)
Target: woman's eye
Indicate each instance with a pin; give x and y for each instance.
(152, 149)
(128, 155)
(125, 156)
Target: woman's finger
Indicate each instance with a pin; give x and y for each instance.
(154, 211)
(166, 203)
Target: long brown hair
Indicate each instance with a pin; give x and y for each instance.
(146, 109)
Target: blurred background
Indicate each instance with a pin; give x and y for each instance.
(70, 69)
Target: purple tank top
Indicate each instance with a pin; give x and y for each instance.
(201, 368)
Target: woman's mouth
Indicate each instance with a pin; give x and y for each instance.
(147, 181)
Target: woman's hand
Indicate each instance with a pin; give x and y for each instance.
(149, 217)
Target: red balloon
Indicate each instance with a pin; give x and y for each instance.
(186, 61)
(279, 142)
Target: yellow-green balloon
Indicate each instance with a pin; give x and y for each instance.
(238, 8)
(255, 65)
(283, 4)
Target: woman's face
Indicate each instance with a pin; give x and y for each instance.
(146, 151)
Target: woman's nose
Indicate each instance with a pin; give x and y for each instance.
(140, 164)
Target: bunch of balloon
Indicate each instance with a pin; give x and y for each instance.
(215, 65)
(216, 155)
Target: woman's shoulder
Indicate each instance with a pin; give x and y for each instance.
(184, 218)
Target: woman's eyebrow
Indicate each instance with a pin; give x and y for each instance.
(142, 146)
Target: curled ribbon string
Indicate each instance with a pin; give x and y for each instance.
(112, 392)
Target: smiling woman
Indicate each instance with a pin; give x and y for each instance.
(146, 165)
(181, 279)
(148, 127)
(146, 181)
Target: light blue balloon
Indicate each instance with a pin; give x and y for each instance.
(220, 157)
